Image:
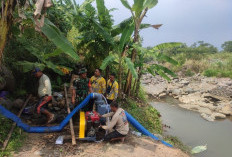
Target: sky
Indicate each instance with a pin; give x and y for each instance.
(184, 21)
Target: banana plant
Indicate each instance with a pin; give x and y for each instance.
(154, 68)
(120, 54)
(64, 47)
(138, 11)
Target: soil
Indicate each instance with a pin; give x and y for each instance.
(38, 145)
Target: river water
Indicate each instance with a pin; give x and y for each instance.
(193, 130)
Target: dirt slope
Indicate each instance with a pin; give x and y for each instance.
(37, 145)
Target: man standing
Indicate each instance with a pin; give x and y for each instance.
(44, 93)
(112, 89)
(98, 83)
(81, 88)
(119, 121)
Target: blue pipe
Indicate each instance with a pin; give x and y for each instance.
(141, 129)
(34, 129)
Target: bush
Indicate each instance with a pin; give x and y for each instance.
(189, 73)
(210, 73)
(147, 115)
(16, 140)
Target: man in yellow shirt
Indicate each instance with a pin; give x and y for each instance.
(98, 83)
(112, 89)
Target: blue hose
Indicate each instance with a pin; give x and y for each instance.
(34, 129)
(141, 129)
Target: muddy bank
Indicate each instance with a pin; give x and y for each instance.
(211, 97)
(43, 145)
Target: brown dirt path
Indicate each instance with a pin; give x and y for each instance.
(38, 145)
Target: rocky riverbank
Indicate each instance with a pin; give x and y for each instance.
(211, 97)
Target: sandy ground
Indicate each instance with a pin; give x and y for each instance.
(38, 145)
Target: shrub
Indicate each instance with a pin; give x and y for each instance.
(210, 73)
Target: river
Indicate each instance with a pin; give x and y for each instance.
(193, 130)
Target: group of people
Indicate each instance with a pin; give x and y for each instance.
(82, 86)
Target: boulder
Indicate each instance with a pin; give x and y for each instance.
(176, 92)
(184, 82)
(156, 89)
(218, 115)
(18, 103)
(189, 107)
(226, 110)
(189, 90)
(207, 117)
(205, 110)
(161, 95)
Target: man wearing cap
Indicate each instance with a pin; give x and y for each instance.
(44, 93)
(81, 89)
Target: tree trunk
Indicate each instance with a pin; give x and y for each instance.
(133, 57)
(6, 12)
(134, 53)
(133, 89)
(138, 81)
(120, 71)
(120, 77)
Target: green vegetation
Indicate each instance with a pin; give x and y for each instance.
(16, 140)
(145, 114)
(202, 58)
(177, 143)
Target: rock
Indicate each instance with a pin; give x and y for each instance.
(189, 90)
(207, 117)
(194, 98)
(176, 92)
(226, 110)
(161, 95)
(205, 110)
(184, 82)
(38, 153)
(156, 89)
(176, 97)
(146, 81)
(212, 98)
(18, 103)
(218, 115)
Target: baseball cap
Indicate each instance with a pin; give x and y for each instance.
(36, 70)
(82, 71)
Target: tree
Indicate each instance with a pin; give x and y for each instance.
(227, 46)
(155, 68)
(6, 18)
(44, 59)
(202, 47)
(138, 11)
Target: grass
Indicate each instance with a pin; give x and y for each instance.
(177, 143)
(145, 114)
(16, 140)
(208, 64)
